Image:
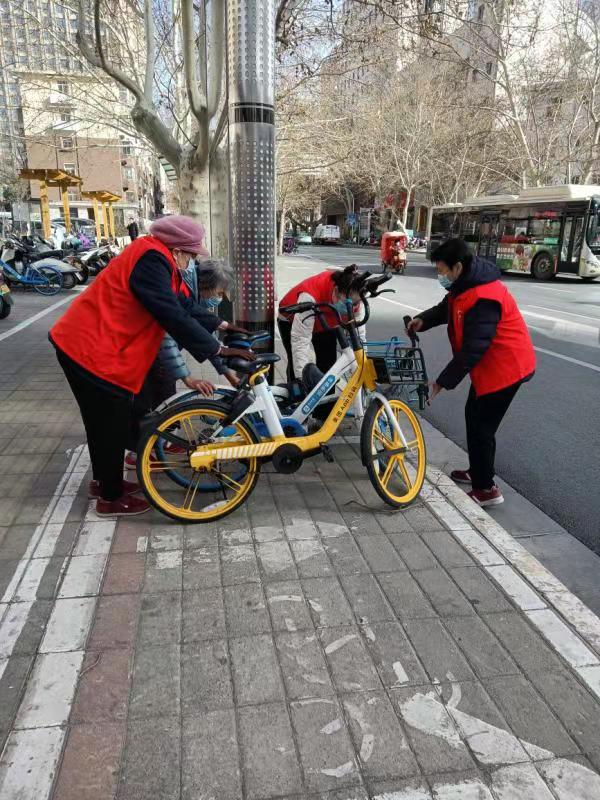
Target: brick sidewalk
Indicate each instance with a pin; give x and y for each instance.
(310, 645)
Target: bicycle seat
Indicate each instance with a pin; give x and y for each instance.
(48, 254)
(250, 367)
(255, 336)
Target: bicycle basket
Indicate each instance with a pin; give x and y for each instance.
(402, 368)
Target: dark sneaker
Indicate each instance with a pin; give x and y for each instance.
(129, 487)
(461, 476)
(487, 497)
(125, 506)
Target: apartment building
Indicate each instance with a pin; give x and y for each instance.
(56, 111)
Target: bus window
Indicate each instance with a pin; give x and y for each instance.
(469, 229)
(445, 225)
(593, 233)
(545, 229)
(515, 230)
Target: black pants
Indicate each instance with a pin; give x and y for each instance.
(107, 413)
(483, 416)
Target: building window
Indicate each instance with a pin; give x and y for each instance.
(65, 116)
(126, 149)
(65, 63)
(489, 67)
(66, 143)
(123, 95)
(63, 87)
(480, 13)
(131, 197)
(474, 75)
(129, 173)
(70, 168)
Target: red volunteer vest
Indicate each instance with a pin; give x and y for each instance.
(511, 356)
(320, 287)
(107, 330)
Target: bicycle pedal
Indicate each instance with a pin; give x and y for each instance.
(327, 454)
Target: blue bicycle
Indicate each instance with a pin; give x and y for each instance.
(45, 280)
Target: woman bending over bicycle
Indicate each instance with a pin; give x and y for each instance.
(206, 282)
(305, 339)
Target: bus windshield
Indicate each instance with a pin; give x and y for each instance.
(593, 230)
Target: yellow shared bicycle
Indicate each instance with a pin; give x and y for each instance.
(200, 459)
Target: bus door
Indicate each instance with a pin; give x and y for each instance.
(488, 236)
(571, 241)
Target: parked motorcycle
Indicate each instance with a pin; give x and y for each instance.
(6, 299)
(19, 253)
(92, 262)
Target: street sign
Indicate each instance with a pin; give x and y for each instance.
(352, 219)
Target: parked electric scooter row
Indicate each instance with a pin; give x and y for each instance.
(76, 266)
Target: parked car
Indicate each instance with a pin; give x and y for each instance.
(304, 238)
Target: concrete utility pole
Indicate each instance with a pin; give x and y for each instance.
(251, 91)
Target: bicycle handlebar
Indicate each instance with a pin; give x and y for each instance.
(414, 339)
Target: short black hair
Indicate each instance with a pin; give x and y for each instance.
(451, 252)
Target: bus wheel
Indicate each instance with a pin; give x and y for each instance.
(543, 267)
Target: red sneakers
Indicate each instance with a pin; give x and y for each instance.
(125, 506)
(170, 449)
(129, 487)
(461, 476)
(487, 497)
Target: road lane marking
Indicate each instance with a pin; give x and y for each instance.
(567, 358)
(30, 320)
(562, 311)
(539, 349)
(398, 303)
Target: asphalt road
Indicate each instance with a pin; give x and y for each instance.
(549, 443)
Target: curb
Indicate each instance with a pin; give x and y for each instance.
(571, 628)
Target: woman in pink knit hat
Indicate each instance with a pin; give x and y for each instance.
(109, 337)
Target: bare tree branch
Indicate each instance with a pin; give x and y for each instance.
(150, 50)
(195, 94)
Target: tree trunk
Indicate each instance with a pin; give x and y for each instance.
(281, 229)
(194, 193)
(405, 213)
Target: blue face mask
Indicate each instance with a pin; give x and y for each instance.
(445, 281)
(340, 306)
(210, 302)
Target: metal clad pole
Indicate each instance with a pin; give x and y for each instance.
(251, 88)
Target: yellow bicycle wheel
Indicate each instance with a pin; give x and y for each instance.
(396, 468)
(201, 495)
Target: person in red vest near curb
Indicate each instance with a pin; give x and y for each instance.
(490, 342)
(109, 337)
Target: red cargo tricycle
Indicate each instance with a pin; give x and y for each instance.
(393, 252)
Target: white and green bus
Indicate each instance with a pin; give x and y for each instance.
(544, 231)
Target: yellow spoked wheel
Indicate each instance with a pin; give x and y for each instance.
(396, 468)
(201, 495)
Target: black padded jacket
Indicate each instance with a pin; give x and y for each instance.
(480, 323)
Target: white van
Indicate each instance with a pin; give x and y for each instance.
(326, 234)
